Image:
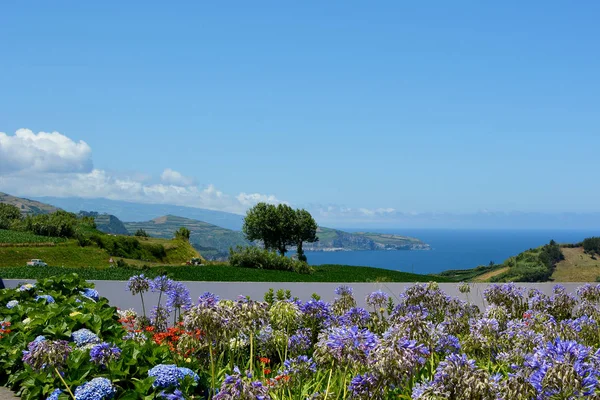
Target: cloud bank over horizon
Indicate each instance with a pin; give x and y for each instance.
(52, 164)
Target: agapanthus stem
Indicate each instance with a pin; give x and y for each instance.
(328, 382)
(212, 370)
(251, 352)
(143, 305)
(64, 383)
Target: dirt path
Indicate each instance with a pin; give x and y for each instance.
(6, 394)
(485, 277)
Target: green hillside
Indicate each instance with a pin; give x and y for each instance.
(336, 240)
(106, 223)
(212, 241)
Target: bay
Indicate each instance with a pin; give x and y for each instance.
(450, 249)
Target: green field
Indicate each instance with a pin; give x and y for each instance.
(226, 273)
(12, 237)
(70, 254)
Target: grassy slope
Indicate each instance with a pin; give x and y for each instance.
(70, 254)
(8, 237)
(323, 273)
(27, 207)
(576, 267)
(353, 240)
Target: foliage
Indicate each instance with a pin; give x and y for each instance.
(278, 227)
(129, 247)
(141, 233)
(254, 257)
(420, 344)
(8, 214)
(534, 265)
(182, 233)
(591, 245)
(8, 236)
(226, 273)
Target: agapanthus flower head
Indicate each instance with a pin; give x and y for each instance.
(299, 367)
(160, 283)
(315, 312)
(300, 341)
(355, 316)
(104, 353)
(84, 337)
(12, 304)
(46, 297)
(464, 287)
(284, 315)
(457, 377)
(54, 395)
(208, 299)
(508, 295)
(366, 387)
(138, 284)
(589, 292)
(563, 368)
(377, 299)
(241, 387)
(178, 296)
(47, 354)
(345, 345)
(96, 389)
(91, 294)
(344, 290)
(396, 358)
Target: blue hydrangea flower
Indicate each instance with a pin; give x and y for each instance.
(169, 375)
(83, 337)
(91, 293)
(54, 395)
(46, 297)
(96, 389)
(12, 304)
(188, 372)
(26, 287)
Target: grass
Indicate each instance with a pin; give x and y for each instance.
(70, 254)
(473, 274)
(576, 267)
(7, 236)
(226, 273)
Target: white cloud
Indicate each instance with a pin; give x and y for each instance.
(172, 177)
(28, 152)
(51, 164)
(250, 199)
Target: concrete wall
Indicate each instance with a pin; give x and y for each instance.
(118, 295)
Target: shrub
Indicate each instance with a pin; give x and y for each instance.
(141, 233)
(591, 245)
(255, 257)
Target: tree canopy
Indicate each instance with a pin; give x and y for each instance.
(8, 214)
(278, 227)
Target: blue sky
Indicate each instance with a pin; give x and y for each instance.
(411, 106)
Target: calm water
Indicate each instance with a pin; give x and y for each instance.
(451, 249)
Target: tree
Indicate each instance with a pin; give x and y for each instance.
(182, 233)
(142, 233)
(305, 230)
(278, 227)
(8, 214)
(262, 223)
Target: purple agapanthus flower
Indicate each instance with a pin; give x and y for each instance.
(138, 284)
(104, 353)
(343, 290)
(377, 299)
(178, 296)
(160, 284)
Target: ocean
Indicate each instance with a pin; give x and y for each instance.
(451, 249)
